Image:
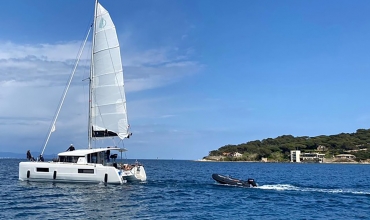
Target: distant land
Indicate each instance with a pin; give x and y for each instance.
(343, 147)
(21, 156)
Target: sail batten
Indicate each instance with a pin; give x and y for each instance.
(108, 101)
(105, 49)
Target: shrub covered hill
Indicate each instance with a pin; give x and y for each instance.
(278, 149)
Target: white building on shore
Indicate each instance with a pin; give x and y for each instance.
(295, 156)
(313, 157)
(345, 156)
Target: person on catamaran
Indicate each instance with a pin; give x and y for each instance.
(108, 154)
(29, 156)
(71, 148)
(41, 158)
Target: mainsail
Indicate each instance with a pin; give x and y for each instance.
(108, 101)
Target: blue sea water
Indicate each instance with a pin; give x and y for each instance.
(178, 189)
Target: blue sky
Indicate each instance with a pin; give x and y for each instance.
(198, 74)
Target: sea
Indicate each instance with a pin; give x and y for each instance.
(184, 189)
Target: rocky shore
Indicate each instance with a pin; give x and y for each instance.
(265, 160)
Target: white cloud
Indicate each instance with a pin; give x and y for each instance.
(51, 52)
(167, 116)
(182, 64)
(32, 79)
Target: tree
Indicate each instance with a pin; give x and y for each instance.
(282, 145)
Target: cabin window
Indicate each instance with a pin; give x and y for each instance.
(41, 169)
(69, 159)
(62, 159)
(92, 158)
(86, 171)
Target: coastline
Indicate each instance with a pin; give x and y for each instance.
(331, 162)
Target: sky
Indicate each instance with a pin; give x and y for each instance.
(199, 74)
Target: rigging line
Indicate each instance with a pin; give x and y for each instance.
(114, 142)
(65, 92)
(86, 72)
(66, 84)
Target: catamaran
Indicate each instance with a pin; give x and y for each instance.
(107, 119)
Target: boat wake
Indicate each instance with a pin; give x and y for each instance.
(288, 187)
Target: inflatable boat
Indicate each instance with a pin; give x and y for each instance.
(234, 182)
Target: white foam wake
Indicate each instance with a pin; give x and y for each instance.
(279, 187)
(288, 187)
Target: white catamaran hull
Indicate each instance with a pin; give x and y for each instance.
(72, 172)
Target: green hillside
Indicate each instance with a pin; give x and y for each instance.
(278, 149)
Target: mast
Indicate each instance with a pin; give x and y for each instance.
(91, 76)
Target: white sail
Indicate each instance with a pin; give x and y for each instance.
(108, 107)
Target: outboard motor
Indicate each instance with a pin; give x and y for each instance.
(251, 182)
